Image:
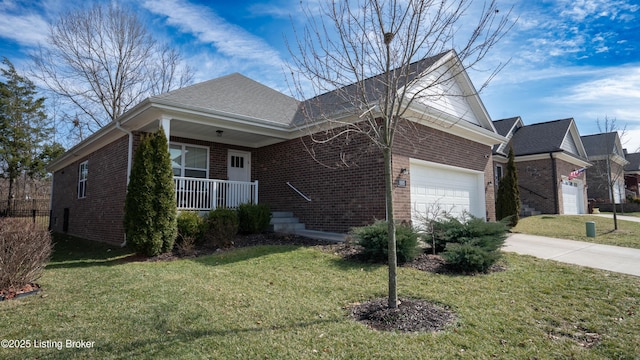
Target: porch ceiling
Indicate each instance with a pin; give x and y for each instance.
(231, 133)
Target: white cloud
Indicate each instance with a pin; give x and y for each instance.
(619, 85)
(25, 29)
(208, 27)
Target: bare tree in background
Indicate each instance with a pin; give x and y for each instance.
(104, 61)
(363, 53)
(609, 162)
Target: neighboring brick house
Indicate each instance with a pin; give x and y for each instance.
(545, 155)
(632, 174)
(233, 140)
(606, 177)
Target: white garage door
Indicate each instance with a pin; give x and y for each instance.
(572, 197)
(445, 188)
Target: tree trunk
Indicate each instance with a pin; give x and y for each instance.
(393, 261)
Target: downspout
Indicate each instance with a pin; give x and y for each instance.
(129, 155)
(554, 175)
(53, 179)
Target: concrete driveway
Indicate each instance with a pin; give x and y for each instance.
(606, 257)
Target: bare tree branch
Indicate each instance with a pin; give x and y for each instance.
(103, 61)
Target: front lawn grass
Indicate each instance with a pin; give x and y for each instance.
(573, 227)
(290, 302)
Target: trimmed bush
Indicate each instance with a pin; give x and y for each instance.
(254, 218)
(375, 241)
(472, 246)
(190, 225)
(221, 227)
(469, 257)
(25, 249)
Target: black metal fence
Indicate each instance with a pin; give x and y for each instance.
(35, 209)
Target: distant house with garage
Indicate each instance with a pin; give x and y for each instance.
(233, 140)
(607, 175)
(551, 161)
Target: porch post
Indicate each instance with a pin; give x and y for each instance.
(255, 194)
(165, 123)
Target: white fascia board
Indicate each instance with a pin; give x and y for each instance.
(441, 121)
(97, 140)
(556, 155)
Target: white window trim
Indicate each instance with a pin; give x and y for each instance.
(499, 176)
(182, 157)
(82, 182)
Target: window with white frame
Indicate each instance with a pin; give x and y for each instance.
(83, 173)
(189, 160)
(499, 174)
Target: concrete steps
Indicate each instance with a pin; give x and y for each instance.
(286, 222)
(526, 210)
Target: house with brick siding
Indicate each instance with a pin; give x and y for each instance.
(607, 155)
(546, 155)
(233, 140)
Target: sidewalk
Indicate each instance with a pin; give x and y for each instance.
(605, 257)
(619, 217)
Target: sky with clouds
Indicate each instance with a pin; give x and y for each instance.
(568, 58)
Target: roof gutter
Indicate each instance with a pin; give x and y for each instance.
(129, 155)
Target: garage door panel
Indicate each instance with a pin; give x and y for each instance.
(453, 190)
(572, 197)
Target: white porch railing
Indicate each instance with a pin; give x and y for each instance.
(209, 194)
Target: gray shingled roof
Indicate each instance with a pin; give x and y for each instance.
(599, 144)
(236, 94)
(504, 125)
(339, 101)
(540, 138)
(634, 162)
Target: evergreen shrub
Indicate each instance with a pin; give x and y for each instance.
(150, 208)
(473, 245)
(375, 241)
(221, 227)
(254, 218)
(190, 225)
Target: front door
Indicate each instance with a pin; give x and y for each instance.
(238, 169)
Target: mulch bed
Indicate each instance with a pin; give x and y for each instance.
(13, 293)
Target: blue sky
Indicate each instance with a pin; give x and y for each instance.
(569, 58)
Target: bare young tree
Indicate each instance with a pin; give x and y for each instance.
(367, 58)
(609, 162)
(104, 61)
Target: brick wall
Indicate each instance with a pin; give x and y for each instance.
(437, 146)
(541, 188)
(343, 178)
(98, 216)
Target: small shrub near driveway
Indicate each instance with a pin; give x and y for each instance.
(470, 246)
(374, 239)
(25, 249)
